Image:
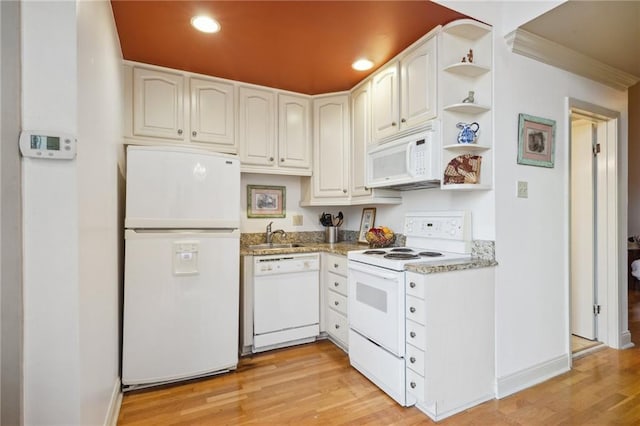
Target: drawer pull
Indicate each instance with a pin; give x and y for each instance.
(335, 265)
(413, 385)
(336, 284)
(336, 303)
(412, 334)
(337, 326)
(412, 284)
(412, 360)
(412, 309)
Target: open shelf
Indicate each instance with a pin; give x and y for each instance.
(467, 28)
(467, 147)
(467, 69)
(465, 186)
(467, 108)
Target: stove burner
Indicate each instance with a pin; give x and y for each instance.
(374, 252)
(402, 250)
(401, 256)
(430, 253)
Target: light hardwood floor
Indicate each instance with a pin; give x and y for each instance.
(313, 384)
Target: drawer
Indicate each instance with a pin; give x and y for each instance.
(415, 385)
(337, 283)
(338, 302)
(415, 359)
(415, 310)
(337, 264)
(415, 287)
(337, 326)
(415, 334)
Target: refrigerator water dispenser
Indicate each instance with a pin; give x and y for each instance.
(185, 258)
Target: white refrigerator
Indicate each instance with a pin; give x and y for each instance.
(181, 271)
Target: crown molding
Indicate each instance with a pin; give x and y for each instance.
(541, 49)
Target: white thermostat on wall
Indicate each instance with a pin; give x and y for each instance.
(47, 145)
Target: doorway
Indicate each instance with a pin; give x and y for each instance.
(593, 241)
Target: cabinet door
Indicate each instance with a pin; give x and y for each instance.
(385, 102)
(158, 104)
(212, 107)
(294, 132)
(331, 146)
(418, 85)
(256, 127)
(360, 137)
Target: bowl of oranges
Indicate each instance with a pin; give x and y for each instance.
(380, 236)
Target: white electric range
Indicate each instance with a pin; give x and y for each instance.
(377, 293)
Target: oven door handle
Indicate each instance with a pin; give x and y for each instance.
(377, 272)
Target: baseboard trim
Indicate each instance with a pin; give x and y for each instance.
(114, 405)
(526, 378)
(625, 340)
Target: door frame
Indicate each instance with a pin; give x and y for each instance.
(614, 306)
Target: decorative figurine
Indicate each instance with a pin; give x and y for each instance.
(470, 55)
(468, 132)
(464, 59)
(469, 99)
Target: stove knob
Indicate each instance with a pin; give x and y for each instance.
(413, 385)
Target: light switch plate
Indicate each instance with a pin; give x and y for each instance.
(522, 189)
(296, 220)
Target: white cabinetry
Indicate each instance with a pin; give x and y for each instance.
(161, 110)
(336, 291)
(457, 79)
(404, 91)
(268, 145)
(450, 340)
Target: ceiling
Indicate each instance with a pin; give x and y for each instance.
(302, 46)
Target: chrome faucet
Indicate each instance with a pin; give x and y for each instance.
(277, 231)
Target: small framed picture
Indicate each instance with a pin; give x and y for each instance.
(366, 223)
(266, 201)
(536, 140)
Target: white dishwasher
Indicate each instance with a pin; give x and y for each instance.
(286, 305)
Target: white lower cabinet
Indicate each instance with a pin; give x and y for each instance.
(335, 314)
(450, 340)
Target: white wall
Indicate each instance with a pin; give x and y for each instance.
(10, 217)
(50, 218)
(100, 106)
(531, 234)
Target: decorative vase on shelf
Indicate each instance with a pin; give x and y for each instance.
(468, 132)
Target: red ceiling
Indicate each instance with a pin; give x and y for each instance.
(302, 46)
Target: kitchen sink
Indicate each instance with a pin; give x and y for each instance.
(266, 246)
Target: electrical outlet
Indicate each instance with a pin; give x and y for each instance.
(296, 220)
(523, 189)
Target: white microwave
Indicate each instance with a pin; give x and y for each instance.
(410, 162)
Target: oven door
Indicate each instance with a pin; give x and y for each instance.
(376, 305)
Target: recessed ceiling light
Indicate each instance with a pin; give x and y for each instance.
(362, 65)
(205, 24)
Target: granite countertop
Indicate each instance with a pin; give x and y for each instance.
(343, 248)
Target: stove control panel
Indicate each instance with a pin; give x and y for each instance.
(439, 225)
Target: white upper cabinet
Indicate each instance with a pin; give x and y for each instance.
(170, 107)
(294, 131)
(274, 138)
(256, 127)
(158, 104)
(212, 109)
(404, 92)
(360, 137)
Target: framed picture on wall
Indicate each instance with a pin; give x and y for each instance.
(266, 201)
(366, 223)
(536, 141)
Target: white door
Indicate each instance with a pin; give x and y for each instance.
(418, 85)
(181, 299)
(294, 132)
(256, 127)
(385, 103)
(360, 138)
(175, 187)
(158, 104)
(212, 109)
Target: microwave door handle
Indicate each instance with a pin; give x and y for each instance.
(410, 149)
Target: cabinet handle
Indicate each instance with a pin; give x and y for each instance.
(337, 326)
(412, 360)
(413, 385)
(335, 265)
(412, 309)
(394, 124)
(270, 158)
(336, 303)
(404, 120)
(179, 131)
(344, 190)
(412, 334)
(282, 160)
(412, 284)
(336, 284)
(194, 133)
